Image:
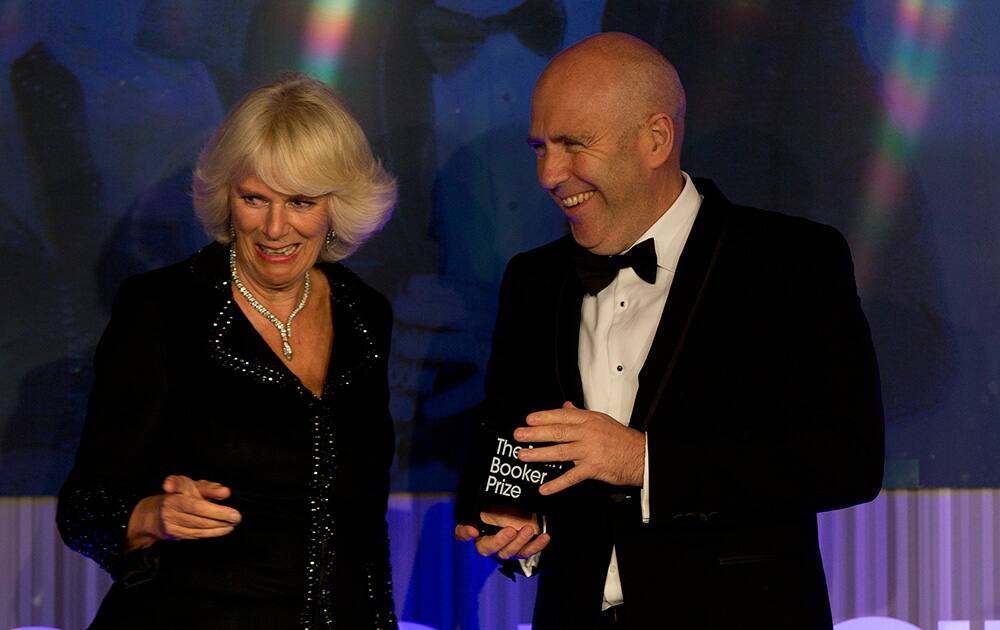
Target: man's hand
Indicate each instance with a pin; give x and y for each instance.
(516, 540)
(601, 447)
(184, 511)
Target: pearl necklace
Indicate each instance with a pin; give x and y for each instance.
(284, 329)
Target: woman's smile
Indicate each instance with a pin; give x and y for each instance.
(279, 236)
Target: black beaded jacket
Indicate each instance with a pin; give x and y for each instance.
(185, 385)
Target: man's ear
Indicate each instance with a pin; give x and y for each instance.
(660, 138)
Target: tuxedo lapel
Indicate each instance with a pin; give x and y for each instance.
(693, 272)
(568, 338)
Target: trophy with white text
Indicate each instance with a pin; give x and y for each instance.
(504, 481)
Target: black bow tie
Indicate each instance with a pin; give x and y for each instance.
(596, 271)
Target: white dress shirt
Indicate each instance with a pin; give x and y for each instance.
(616, 330)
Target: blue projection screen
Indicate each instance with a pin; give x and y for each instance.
(877, 117)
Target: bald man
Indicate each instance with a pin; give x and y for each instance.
(705, 366)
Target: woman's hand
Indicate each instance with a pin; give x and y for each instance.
(185, 511)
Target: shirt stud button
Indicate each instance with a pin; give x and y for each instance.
(620, 368)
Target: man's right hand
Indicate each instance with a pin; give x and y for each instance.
(185, 511)
(518, 537)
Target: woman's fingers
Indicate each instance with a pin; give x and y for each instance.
(184, 533)
(180, 506)
(203, 488)
(187, 509)
(183, 517)
(180, 484)
(212, 490)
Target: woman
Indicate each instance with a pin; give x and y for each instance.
(233, 470)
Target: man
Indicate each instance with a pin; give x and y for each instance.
(711, 401)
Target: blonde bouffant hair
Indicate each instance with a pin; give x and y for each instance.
(297, 137)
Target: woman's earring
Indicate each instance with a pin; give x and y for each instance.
(331, 238)
(232, 230)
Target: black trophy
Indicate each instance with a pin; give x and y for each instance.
(504, 481)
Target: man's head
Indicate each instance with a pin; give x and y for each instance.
(607, 121)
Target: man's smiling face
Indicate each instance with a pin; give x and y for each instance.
(588, 156)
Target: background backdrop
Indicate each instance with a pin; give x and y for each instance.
(880, 117)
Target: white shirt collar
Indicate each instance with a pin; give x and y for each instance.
(670, 231)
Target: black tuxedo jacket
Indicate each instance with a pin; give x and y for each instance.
(761, 404)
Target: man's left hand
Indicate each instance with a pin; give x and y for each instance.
(601, 447)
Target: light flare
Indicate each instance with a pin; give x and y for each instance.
(922, 29)
(327, 33)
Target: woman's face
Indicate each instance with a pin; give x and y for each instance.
(278, 237)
